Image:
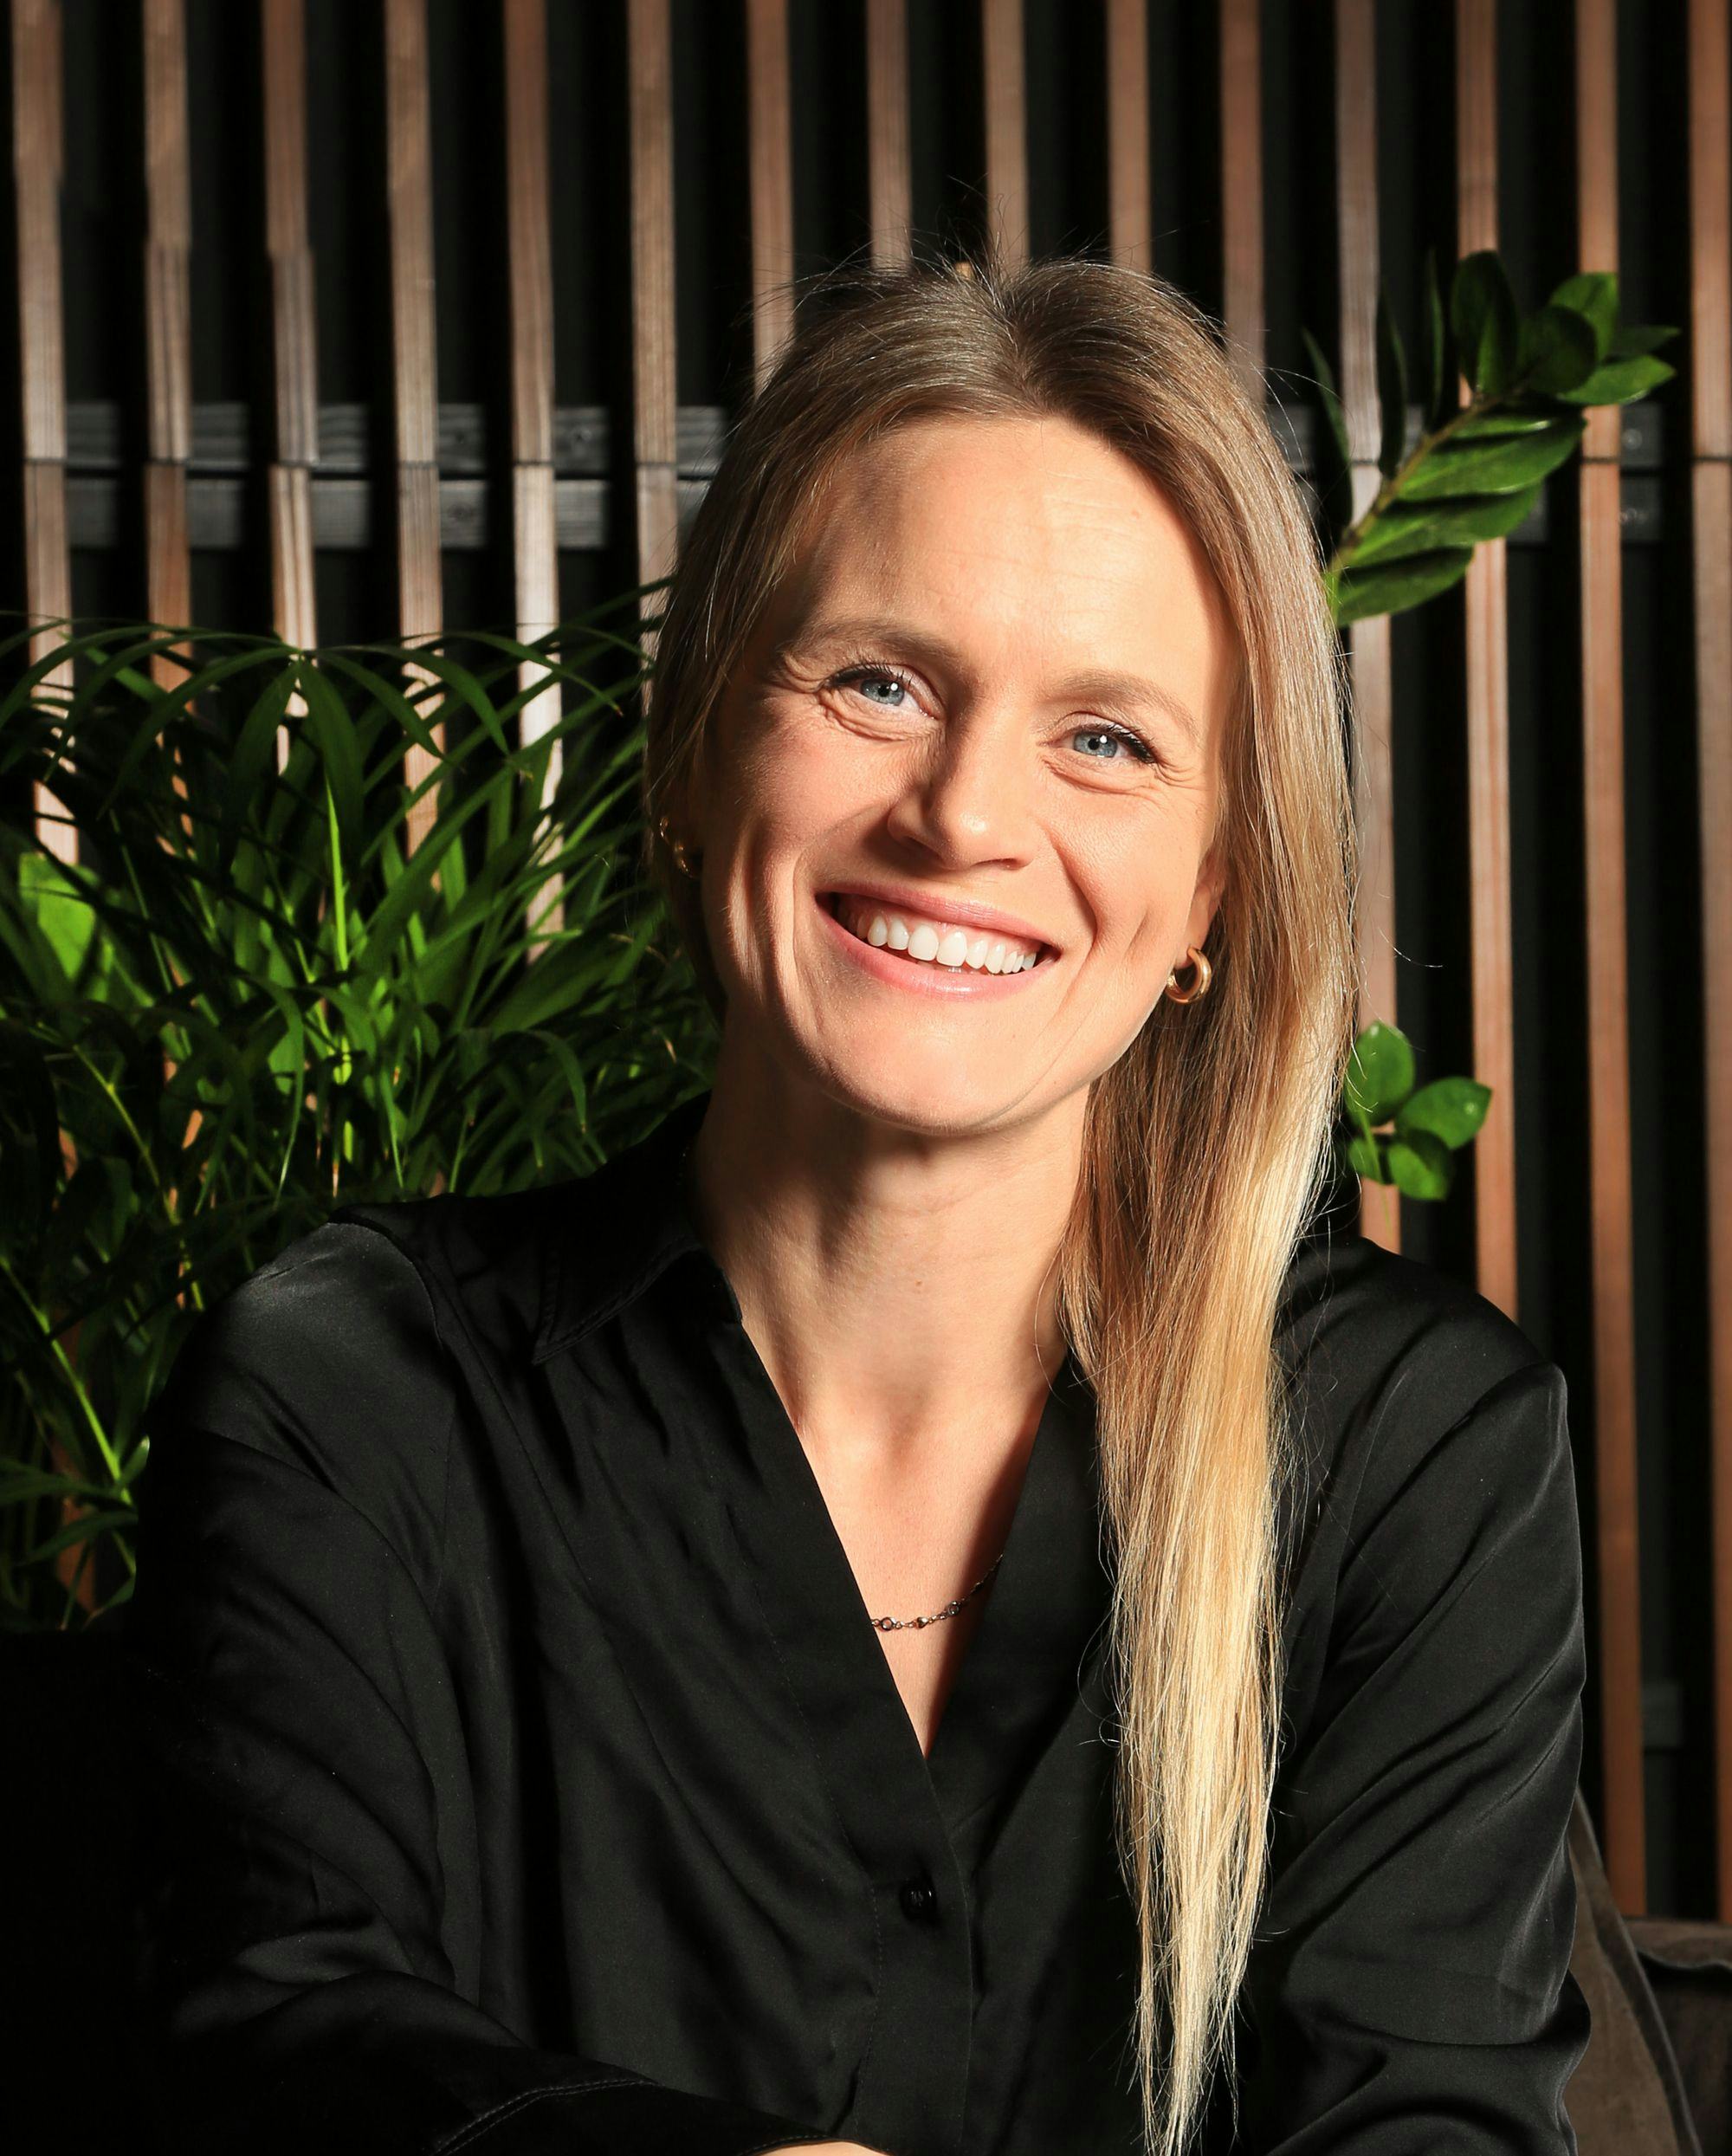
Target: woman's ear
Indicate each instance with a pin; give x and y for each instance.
(1212, 878)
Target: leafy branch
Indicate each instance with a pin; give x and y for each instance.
(1474, 473)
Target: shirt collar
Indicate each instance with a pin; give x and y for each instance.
(618, 1230)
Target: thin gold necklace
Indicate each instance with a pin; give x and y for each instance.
(938, 1616)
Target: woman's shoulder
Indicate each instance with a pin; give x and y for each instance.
(1409, 1390)
(1356, 1316)
(342, 1357)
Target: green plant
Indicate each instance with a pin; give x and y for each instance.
(1427, 1123)
(1474, 473)
(252, 999)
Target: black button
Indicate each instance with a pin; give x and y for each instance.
(919, 1901)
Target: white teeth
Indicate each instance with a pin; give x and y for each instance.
(953, 947)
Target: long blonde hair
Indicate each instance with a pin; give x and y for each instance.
(1206, 1145)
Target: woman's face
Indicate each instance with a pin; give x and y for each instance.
(994, 684)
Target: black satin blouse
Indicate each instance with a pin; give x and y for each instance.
(524, 1775)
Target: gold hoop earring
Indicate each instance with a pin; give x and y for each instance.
(684, 859)
(1205, 972)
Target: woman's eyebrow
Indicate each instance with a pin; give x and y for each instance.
(1129, 691)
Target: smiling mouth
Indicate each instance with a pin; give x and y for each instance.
(946, 947)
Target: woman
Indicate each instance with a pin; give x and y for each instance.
(932, 1605)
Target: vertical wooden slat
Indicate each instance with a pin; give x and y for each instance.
(36, 166)
(1488, 715)
(282, 40)
(530, 269)
(1608, 1009)
(1242, 189)
(409, 192)
(1357, 248)
(770, 152)
(168, 320)
(889, 170)
(1003, 68)
(650, 62)
(1710, 415)
(1130, 209)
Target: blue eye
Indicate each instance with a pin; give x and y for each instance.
(1139, 749)
(857, 676)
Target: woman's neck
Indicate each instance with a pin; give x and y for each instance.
(900, 1287)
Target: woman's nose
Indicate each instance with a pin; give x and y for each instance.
(972, 798)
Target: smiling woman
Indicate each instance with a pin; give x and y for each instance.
(937, 1601)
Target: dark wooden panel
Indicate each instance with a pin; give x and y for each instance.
(1710, 376)
(530, 271)
(1004, 87)
(168, 320)
(1242, 268)
(890, 169)
(1129, 208)
(1357, 250)
(771, 162)
(409, 200)
(409, 189)
(283, 38)
(656, 504)
(36, 164)
(1608, 1006)
(1488, 715)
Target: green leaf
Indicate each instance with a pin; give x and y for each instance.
(1483, 315)
(1403, 530)
(1392, 390)
(1557, 351)
(1632, 340)
(1620, 382)
(334, 733)
(1495, 464)
(1420, 1167)
(1380, 1073)
(1592, 294)
(1326, 390)
(255, 752)
(1450, 1109)
(1365, 1157)
(62, 911)
(1359, 596)
(1502, 423)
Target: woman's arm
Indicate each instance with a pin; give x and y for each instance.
(1410, 1989)
(304, 1920)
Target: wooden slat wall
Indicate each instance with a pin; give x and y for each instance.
(890, 169)
(168, 319)
(1488, 715)
(36, 165)
(1004, 87)
(1710, 425)
(1129, 209)
(1608, 1012)
(1242, 266)
(1357, 251)
(282, 46)
(409, 198)
(654, 412)
(769, 155)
